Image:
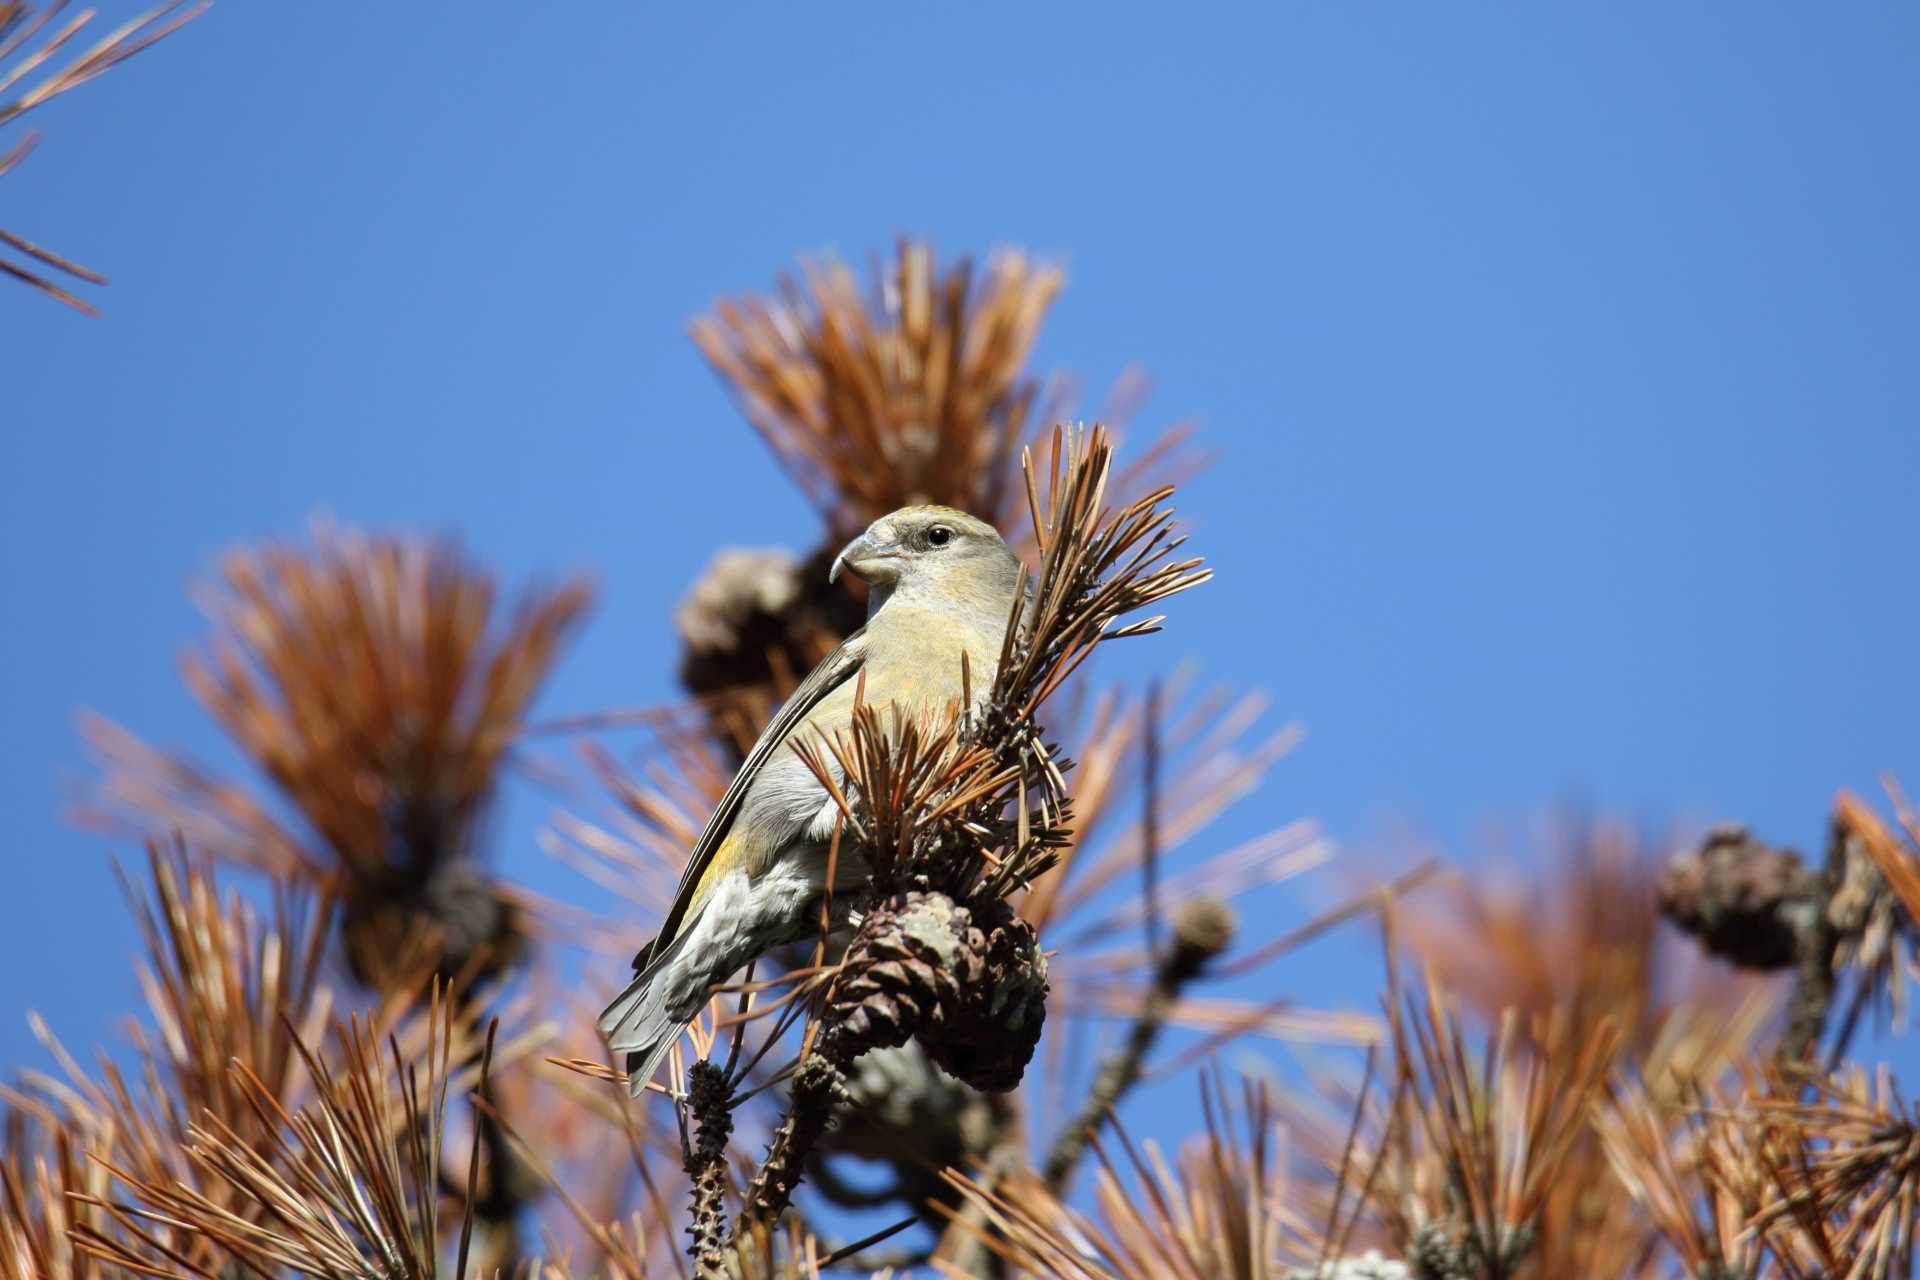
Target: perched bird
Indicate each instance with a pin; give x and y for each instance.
(941, 584)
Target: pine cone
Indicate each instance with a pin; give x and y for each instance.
(897, 1100)
(1203, 927)
(1746, 901)
(971, 990)
(754, 612)
(1003, 1004)
(454, 920)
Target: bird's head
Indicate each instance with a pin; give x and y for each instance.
(932, 553)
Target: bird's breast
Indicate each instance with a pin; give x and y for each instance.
(912, 660)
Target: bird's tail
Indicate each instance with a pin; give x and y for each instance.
(640, 1023)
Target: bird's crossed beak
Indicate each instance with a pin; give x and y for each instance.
(865, 557)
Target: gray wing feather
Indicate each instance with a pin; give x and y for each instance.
(833, 671)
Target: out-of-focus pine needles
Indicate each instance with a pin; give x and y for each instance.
(373, 682)
(38, 63)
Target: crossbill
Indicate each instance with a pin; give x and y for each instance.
(941, 584)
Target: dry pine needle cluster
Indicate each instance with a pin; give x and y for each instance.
(364, 1053)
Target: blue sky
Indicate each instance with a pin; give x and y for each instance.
(1560, 360)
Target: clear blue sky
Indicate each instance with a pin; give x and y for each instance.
(1561, 359)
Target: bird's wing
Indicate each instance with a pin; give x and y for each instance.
(833, 671)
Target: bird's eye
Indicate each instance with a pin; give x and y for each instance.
(939, 536)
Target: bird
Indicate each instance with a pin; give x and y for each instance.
(941, 584)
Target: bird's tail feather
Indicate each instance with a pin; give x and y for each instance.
(639, 1024)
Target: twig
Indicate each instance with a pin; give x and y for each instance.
(1814, 981)
(473, 1156)
(862, 1255)
(507, 1190)
(1150, 814)
(1201, 932)
(818, 1086)
(711, 1101)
